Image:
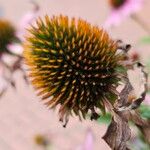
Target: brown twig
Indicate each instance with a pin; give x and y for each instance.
(140, 22)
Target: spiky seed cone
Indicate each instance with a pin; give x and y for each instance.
(7, 34)
(72, 64)
(117, 3)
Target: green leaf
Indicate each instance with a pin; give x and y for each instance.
(105, 119)
(121, 69)
(145, 111)
(145, 40)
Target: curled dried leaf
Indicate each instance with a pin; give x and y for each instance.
(125, 102)
(142, 124)
(118, 133)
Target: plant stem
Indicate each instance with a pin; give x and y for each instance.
(140, 22)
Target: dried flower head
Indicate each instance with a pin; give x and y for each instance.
(7, 34)
(72, 64)
(117, 3)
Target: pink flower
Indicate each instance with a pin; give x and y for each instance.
(118, 14)
(26, 20)
(88, 142)
(15, 48)
(11, 60)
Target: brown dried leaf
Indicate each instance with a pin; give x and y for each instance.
(139, 100)
(118, 133)
(128, 88)
(124, 103)
(142, 124)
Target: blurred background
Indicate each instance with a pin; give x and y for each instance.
(25, 123)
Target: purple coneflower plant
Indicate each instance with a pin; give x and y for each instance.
(11, 39)
(120, 9)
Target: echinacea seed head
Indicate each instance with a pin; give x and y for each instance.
(81, 72)
(117, 3)
(7, 34)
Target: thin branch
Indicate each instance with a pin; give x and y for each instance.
(140, 22)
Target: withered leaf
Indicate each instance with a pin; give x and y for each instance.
(124, 94)
(118, 133)
(124, 103)
(142, 124)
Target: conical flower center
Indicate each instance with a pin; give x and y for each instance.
(73, 62)
(117, 3)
